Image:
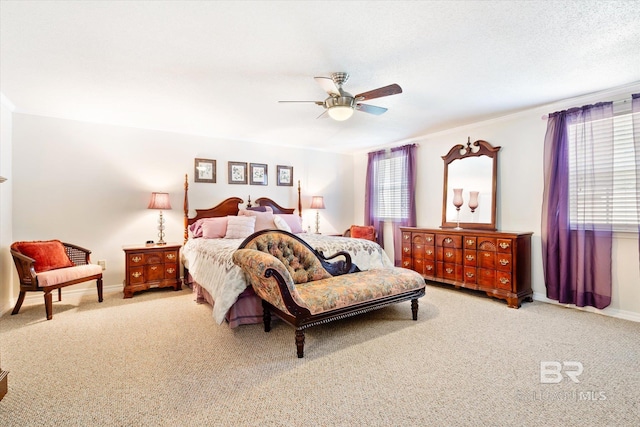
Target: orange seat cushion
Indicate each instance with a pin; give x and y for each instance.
(48, 254)
(363, 232)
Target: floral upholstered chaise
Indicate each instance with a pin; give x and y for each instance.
(300, 286)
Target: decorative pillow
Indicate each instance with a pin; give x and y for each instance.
(214, 228)
(281, 224)
(293, 221)
(196, 227)
(264, 220)
(49, 254)
(240, 227)
(363, 232)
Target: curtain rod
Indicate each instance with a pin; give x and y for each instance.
(616, 102)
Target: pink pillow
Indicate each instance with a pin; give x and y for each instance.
(214, 228)
(293, 221)
(264, 220)
(196, 227)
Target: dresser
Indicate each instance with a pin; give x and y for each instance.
(497, 263)
(151, 267)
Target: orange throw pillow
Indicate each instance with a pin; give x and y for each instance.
(363, 232)
(49, 254)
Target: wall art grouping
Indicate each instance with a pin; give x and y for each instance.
(205, 170)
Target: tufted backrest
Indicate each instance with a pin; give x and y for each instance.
(300, 261)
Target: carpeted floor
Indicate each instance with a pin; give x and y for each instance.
(159, 359)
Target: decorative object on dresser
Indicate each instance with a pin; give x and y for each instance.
(497, 263)
(205, 170)
(151, 267)
(472, 167)
(317, 203)
(160, 201)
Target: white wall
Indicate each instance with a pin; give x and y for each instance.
(90, 184)
(6, 236)
(520, 189)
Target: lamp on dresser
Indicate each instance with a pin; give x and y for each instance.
(160, 201)
(317, 202)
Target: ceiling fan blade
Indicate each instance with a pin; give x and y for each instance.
(324, 115)
(379, 93)
(315, 102)
(371, 109)
(328, 85)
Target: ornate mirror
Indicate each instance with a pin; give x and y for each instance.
(469, 197)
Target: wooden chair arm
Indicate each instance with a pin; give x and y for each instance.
(25, 268)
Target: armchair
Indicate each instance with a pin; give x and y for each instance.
(44, 266)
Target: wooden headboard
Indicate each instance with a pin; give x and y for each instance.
(230, 207)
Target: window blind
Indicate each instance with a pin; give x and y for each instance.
(393, 192)
(599, 194)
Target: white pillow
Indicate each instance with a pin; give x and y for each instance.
(240, 227)
(281, 224)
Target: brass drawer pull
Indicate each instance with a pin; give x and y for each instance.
(171, 270)
(154, 267)
(136, 274)
(504, 245)
(470, 242)
(405, 236)
(406, 263)
(429, 239)
(418, 247)
(470, 257)
(448, 254)
(429, 267)
(487, 255)
(504, 261)
(171, 256)
(448, 240)
(136, 258)
(504, 281)
(406, 250)
(470, 275)
(429, 252)
(449, 270)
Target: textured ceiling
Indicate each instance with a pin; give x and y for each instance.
(219, 68)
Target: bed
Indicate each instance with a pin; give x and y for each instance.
(209, 269)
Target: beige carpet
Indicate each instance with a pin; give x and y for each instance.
(160, 360)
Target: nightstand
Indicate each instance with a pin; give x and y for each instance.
(151, 267)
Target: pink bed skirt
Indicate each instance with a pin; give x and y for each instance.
(247, 310)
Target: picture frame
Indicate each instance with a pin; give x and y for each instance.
(204, 170)
(258, 174)
(237, 172)
(285, 175)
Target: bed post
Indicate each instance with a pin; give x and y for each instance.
(299, 202)
(186, 208)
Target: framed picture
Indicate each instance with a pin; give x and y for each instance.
(237, 172)
(258, 174)
(285, 175)
(205, 170)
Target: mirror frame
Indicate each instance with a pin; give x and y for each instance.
(460, 152)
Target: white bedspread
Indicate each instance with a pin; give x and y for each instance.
(210, 264)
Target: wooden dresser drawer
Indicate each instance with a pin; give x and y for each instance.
(497, 263)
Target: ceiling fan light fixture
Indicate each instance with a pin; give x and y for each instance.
(340, 113)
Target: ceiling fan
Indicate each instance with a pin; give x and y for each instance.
(340, 105)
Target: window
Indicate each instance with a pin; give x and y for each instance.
(596, 196)
(393, 193)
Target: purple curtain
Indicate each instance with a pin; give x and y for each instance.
(407, 154)
(371, 194)
(576, 254)
(635, 110)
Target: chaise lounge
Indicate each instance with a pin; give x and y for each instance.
(300, 286)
